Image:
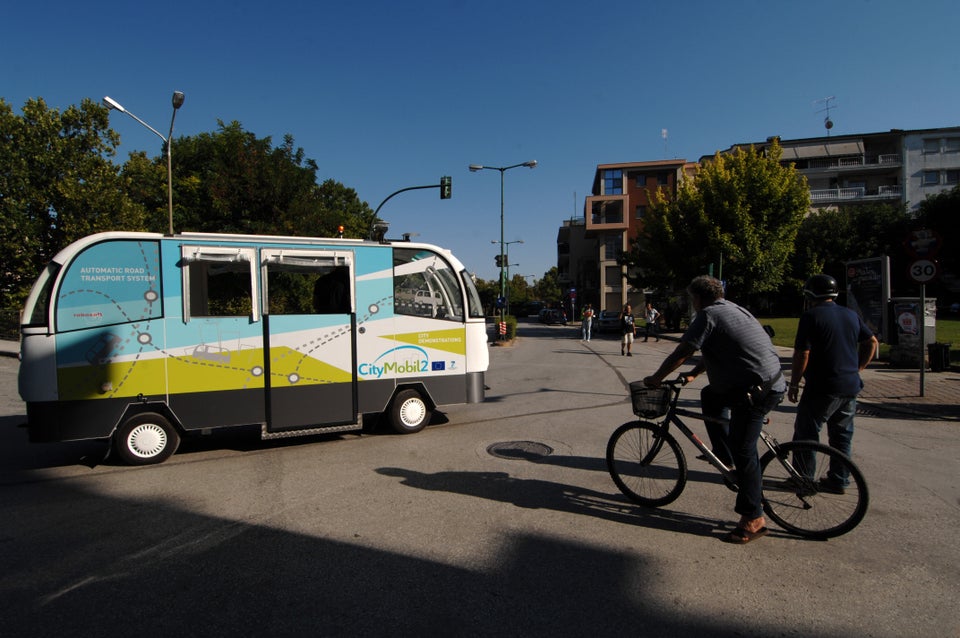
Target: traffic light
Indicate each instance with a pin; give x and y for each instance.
(499, 260)
(446, 187)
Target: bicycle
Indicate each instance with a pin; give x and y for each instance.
(648, 465)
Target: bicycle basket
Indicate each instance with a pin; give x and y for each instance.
(649, 402)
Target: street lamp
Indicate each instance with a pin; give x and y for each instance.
(505, 263)
(177, 101)
(503, 169)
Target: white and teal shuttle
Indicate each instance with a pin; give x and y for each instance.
(145, 338)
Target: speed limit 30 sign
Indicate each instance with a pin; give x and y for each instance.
(924, 271)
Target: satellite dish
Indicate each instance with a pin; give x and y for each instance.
(827, 123)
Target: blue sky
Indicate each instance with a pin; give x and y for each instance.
(390, 94)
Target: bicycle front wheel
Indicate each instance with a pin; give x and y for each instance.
(646, 463)
(803, 494)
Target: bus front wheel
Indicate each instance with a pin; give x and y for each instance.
(409, 413)
(145, 439)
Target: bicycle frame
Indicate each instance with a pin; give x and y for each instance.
(673, 417)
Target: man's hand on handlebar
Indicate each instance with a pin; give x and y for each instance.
(654, 382)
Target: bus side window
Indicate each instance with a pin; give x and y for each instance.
(331, 292)
(218, 284)
(216, 291)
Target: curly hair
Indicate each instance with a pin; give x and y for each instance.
(707, 288)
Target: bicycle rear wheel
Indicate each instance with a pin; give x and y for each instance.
(806, 501)
(646, 463)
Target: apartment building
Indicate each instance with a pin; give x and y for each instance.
(613, 214)
(898, 166)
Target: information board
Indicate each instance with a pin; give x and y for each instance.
(868, 292)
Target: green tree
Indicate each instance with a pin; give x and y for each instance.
(489, 290)
(519, 291)
(547, 288)
(941, 213)
(57, 184)
(828, 239)
(743, 208)
(231, 181)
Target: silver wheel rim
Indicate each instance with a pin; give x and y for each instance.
(412, 412)
(147, 440)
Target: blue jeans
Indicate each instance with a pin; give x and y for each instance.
(815, 410)
(738, 441)
(585, 329)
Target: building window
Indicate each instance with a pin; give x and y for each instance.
(641, 212)
(613, 275)
(641, 180)
(603, 212)
(931, 178)
(952, 177)
(613, 182)
(611, 246)
(951, 145)
(931, 145)
(662, 179)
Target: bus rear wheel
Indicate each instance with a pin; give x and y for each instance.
(145, 439)
(409, 413)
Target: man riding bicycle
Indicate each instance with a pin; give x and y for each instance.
(745, 381)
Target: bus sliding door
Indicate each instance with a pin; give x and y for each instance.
(309, 338)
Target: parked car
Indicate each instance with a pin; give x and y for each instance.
(551, 316)
(607, 321)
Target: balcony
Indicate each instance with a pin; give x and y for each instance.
(831, 195)
(859, 162)
(606, 213)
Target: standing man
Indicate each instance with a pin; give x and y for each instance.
(832, 346)
(628, 328)
(586, 322)
(652, 316)
(745, 380)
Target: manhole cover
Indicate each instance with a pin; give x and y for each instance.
(520, 450)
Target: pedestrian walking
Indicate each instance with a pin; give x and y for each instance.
(628, 330)
(745, 383)
(832, 347)
(652, 316)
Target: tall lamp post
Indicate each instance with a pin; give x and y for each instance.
(503, 169)
(177, 101)
(505, 261)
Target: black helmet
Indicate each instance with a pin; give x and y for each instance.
(820, 287)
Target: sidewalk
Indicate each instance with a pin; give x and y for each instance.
(885, 388)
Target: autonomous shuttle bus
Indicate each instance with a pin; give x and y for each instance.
(145, 338)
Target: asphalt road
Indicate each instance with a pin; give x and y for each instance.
(432, 534)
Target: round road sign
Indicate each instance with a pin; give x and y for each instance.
(923, 271)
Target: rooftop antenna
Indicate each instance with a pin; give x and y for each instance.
(663, 134)
(827, 122)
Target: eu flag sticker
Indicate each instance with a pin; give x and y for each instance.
(438, 365)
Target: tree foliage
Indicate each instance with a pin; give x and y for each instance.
(231, 181)
(828, 239)
(547, 288)
(941, 213)
(57, 184)
(743, 208)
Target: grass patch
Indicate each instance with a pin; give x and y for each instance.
(785, 331)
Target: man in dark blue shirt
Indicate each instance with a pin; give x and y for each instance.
(832, 346)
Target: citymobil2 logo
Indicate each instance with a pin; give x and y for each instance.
(412, 360)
